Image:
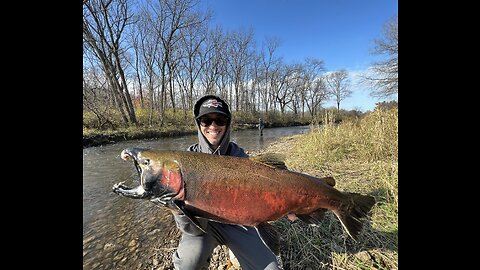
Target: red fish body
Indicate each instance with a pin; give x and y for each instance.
(255, 194)
(239, 190)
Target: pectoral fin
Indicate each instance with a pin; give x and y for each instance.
(179, 207)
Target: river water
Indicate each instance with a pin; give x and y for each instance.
(120, 233)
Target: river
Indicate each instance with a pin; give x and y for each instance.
(119, 233)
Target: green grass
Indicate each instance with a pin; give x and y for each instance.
(362, 156)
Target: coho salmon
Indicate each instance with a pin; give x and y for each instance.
(243, 191)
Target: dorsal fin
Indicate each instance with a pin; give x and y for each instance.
(329, 180)
(271, 159)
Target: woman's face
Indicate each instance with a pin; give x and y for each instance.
(213, 126)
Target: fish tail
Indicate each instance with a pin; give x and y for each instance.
(351, 214)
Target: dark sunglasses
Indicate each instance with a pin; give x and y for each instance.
(220, 121)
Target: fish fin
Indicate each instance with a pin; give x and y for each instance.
(272, 160)
(329, 180)
(269, 236)
(179, 207)
(350, 216)
(313, 218)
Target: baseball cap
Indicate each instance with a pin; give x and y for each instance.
(211, 104)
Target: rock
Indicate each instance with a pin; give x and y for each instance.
(109, 247)
(132, 243)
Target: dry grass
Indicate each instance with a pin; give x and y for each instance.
(374, 137)
(328, 246)
(362, 156)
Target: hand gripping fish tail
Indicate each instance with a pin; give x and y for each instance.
(243, 191)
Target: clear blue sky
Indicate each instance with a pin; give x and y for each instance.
(339, 32)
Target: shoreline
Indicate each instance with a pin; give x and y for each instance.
(92, 140)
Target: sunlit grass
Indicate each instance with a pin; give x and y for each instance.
(374, 137)
(362, 156)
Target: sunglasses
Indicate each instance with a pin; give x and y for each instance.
(220, 121)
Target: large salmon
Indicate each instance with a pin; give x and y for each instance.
(239, 191)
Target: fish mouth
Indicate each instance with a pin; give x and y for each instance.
(133, 154)
(138, 192)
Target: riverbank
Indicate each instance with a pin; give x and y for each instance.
(93, 138)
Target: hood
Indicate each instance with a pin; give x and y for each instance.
(204, 145)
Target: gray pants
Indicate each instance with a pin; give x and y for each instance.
(195, 248)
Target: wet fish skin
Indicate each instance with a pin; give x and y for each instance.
(239, 190)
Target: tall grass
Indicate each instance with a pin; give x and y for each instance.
(373, 137)
(362, 156)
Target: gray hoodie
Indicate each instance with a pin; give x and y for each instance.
(226, 147)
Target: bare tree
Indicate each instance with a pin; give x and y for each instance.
(192, 63)
(311, 94)
(174, 16)
(148, 46)
(173, 57)
(295, 84)
(282, 81)
(104, 22)
(145, 44)
(383, 75)
(316, 94)
(255, 71)
(212, 58)
(338, 86)
(239, 57)
(269, 61)
(96, 98)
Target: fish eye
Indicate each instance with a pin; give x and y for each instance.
(146, 161)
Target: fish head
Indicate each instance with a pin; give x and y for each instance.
(148, 168)
(160, 178)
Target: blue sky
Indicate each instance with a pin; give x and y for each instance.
(339, 32)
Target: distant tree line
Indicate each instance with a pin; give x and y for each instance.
(158, 55)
